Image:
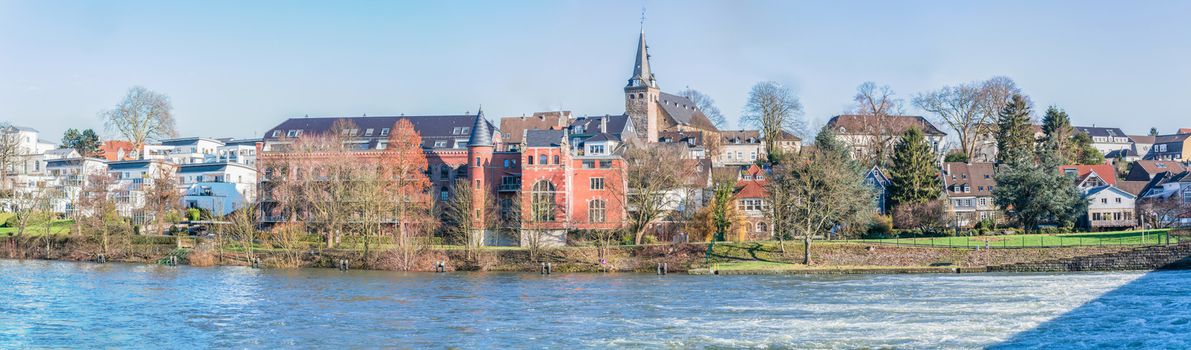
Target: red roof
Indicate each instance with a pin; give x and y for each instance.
(111, 149)
(1105, 171)
(751, 183)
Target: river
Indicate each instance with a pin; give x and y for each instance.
(51, 304)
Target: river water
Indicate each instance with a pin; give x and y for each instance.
(48, 304)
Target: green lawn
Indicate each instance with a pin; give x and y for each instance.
(56, 227)
(1148, 237)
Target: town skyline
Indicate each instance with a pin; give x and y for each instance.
(253, 69)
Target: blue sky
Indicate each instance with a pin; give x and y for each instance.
(236, 68)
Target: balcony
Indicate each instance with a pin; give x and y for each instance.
(509, 188)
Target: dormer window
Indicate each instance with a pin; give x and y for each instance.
(368, 132)
(293, 133)
(440, 143)
(276, 133)
(384, 132)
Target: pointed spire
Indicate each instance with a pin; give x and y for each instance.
(642, 76)
(481, 133)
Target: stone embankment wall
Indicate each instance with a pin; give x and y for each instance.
(1175, 256)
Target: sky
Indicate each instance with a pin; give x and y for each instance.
(238, 68)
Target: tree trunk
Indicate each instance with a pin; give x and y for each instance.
(806, 250)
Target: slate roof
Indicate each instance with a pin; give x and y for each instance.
(1101, 131)
(617, 124)
(690, 138)
(684, 112)
(481, 132)
(544, 138)
(603, 137)
(978, 177)
(895, 124)
(433, 128)
(206, 167)
(735, 137)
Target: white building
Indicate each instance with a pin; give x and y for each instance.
(133, 179)
(68, 176)
(1107, 140)
(241, 177)
(1110, 207)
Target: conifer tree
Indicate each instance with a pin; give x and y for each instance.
(1015, 141)
(1059, 133)
(914, 172)
(1038, 192)
(1083, 152)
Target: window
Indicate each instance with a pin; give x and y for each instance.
(542, 201)
(444, 172)
(589, 164)
(751, 204)
(597, 183)
(596, 149)
(983, 201)
(444, 194)
(508, 163)
(597, 211)
(555, 160)
(293, 133)
(1103, 200)
(440, 143)
(276, 133)
(368, 132)
(1096, 216)
(384, 132)
(1118, 200)
(761, 227)
(529, 160)
(543, 160)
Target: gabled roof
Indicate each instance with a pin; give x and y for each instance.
(602, 137)
(979, 178)
(1146, 169)
(751, 187)
(513, 128)
(612, 124)
(1133, 187)
(849, 124)
(691, 138)
(1105, 172)
(878, 176)
(734, 137)
(1095, 190)
(683, 111)
(1142, 139)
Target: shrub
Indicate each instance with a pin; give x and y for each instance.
(880, 227)
(193, 214)
(11, 221)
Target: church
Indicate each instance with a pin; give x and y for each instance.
(653, 111)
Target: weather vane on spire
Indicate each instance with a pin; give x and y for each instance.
(642, 16)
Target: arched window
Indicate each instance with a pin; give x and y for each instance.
(597, 211)
(543, 160)
(543, 201)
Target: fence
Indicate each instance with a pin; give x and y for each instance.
(1124, 238)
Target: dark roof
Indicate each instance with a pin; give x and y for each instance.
(129, 164)
(481, 132)
(1146, 169)
(432, 128)
(1134, 188)
(603, 137)
(544, 138)
(1120, 153)
(642, 76)
(186, 141)
(684, 112)
(1101, 131)
(740, 136)
(617, 124)
(205, 167)
(893, 124)
(236, 142)
(979, 177)
(690, 138)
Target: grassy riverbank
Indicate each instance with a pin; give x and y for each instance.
(728, 257)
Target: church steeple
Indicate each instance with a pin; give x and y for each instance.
(642, 76)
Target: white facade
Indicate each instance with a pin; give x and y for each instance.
(1110, 207)
(241, 177)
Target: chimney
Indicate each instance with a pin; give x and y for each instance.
(604, 124)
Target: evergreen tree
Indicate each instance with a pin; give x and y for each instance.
(1153, 131)
(1037, 193)
(1057, 127)
(1083, 152)
(1015, 141)
(914, 172)
(86, 142)
(956, 156)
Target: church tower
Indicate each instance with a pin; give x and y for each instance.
(641, 95)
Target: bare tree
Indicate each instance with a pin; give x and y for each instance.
(655, 173)
(10, 153)
(242, 228)
(162, 199)
(97, 211)
(1163, 212)
(707, 105)
(959, 107)
(773, 108)
(142, 116)
(828, 188)
(466, 217)
(875, 105)
(32, 206)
